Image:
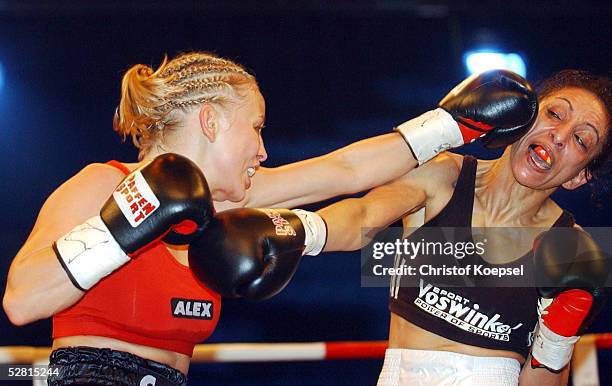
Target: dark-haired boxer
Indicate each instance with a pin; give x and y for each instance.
(91, 256)
(566, 147)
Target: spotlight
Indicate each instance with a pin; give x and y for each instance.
(479, 61)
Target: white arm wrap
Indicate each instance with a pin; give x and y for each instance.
(431, 133)
(316, 232)
(551, 349)
(89, 252)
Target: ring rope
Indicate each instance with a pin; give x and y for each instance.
(267, 352)
(238, 352)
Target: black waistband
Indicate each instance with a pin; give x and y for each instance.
(103, 366)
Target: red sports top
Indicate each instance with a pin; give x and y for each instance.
(153, 300)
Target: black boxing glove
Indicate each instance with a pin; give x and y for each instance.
(168, 192)
(253, 253)
(498, 105)
(571, 273)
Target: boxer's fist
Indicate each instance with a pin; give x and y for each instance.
(170, 192)
(571, 276)
(253, 253)
(498, 105)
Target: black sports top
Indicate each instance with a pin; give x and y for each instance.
(500, 318)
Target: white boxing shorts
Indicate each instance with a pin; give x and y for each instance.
(404, 367)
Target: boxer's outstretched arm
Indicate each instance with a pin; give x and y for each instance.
(349, 221)
(37, 285)
(385, 204)
(351, 169)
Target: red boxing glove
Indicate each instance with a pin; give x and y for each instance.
(560, 320)
(571, 273)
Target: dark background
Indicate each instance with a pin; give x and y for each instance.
(332, 73)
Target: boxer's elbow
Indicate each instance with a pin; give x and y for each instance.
(27, 305)
(22, 306)
(15, 309)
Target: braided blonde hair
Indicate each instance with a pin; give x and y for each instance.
(149, 99)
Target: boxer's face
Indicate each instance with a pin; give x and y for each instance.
(570, 131)
(239, 149)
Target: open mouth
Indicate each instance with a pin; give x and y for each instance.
(540, 157)
(251, 171)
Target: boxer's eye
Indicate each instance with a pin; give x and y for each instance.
(580, 141)
(554, 115)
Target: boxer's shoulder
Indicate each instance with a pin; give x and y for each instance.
(439, 173)
(82, 195)
(95, 176)
(74, 201)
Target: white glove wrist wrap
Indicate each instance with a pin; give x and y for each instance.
(89, 252)
(316, 232)
(431, 133)
(551, 349)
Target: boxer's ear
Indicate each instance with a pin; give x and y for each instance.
(208, 125)
(580, 179)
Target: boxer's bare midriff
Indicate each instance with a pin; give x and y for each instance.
(170, 358)
(403, 334)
